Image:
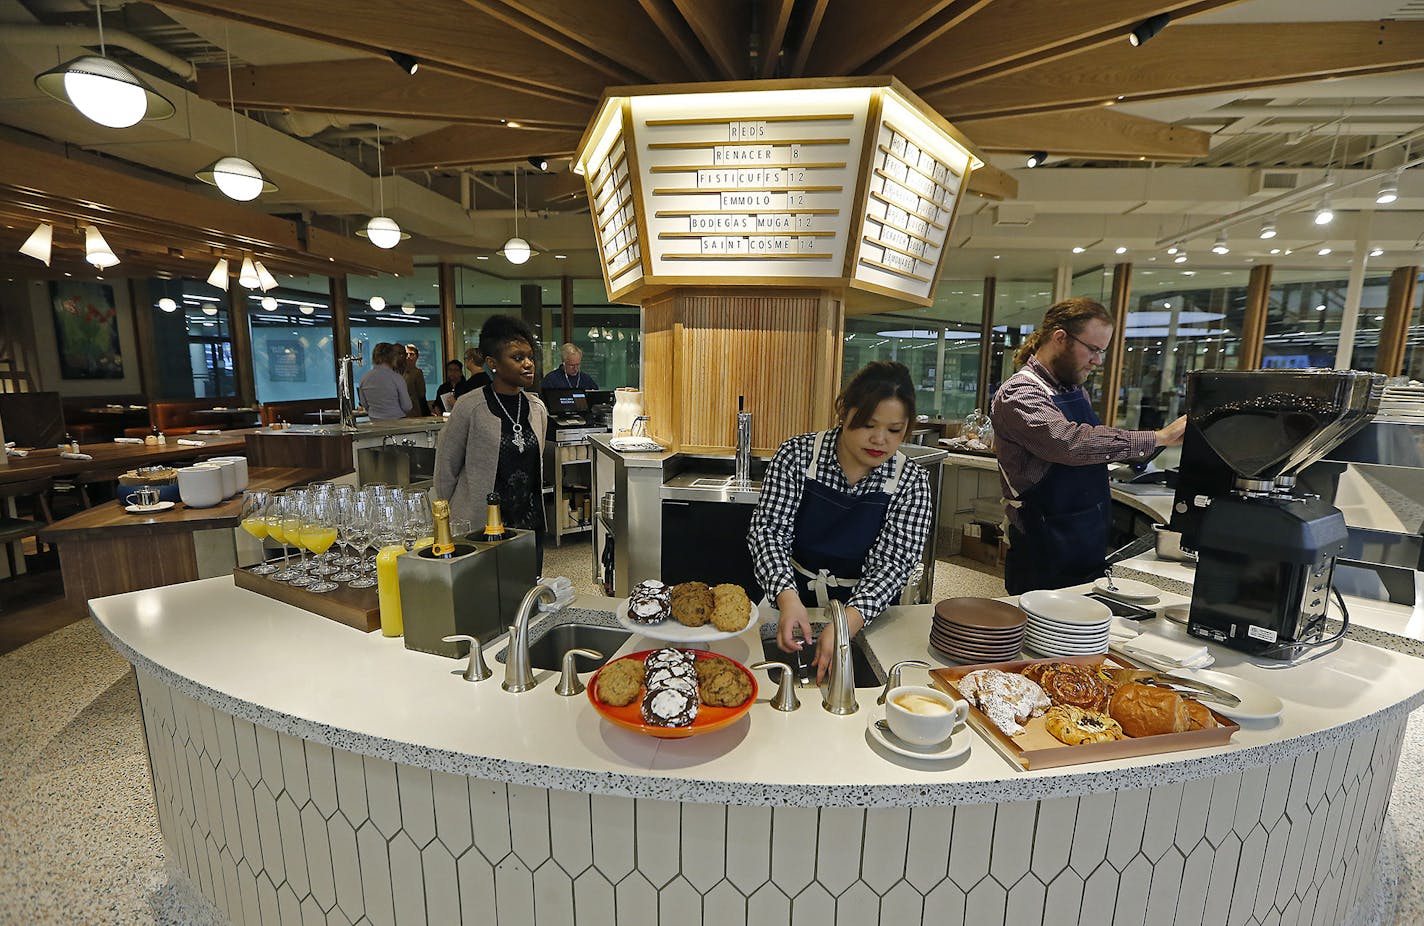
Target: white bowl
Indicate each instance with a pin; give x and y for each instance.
(200, 485)
(241, 465)
(1065, 608)
(228, 469)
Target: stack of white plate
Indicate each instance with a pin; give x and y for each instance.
(1060, 624)
(974, 630)
(1404, 402)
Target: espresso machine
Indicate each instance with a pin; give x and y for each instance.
(1266, 549)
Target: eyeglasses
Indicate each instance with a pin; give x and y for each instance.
(1100, 352)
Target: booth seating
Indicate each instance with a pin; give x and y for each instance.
(175, 416)
(298, 411)
(91, 418)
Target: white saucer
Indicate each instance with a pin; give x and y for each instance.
(1257, 703)
(957, 745)
(1128, 589)
(148, 509)
(669, 629)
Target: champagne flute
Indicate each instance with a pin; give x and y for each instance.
(276, 518)
(360, 525)
(419, 526)
(255, 503)
(318, 534)
(292, 525)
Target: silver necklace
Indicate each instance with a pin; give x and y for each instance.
(518, 439)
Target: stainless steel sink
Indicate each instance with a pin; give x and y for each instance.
(546, 651)
(867, 675)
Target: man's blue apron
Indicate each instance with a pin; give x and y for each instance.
(834, 532)
(1064, 518)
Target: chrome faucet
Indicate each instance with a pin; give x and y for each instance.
(518, 676)
(839, 696)
(744, 444)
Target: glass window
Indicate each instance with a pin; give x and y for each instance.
(408, 313)
(192, 340)
(609, 336)
(1018, 310)
(1414, 342)
(293, 356)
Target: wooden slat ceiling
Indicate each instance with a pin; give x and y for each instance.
(1018, 75)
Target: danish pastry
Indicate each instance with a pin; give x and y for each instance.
(1007, 698)
(1072, 684)
(1075, 726)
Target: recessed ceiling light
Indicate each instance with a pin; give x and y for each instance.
(1078, 249)
(1324, 252)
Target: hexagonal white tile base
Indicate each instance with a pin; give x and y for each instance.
(272, 829)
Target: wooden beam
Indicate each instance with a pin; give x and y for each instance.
(674, 29)
(851, 42)
(142, 308)
(467, 145)
(617, 29)
(1193, 60)
(724, 29)
(1253, 324)
(350, 251)
(771, 34)
(1112, 363)
(986, 345)
(810, 30)
(370, 87)
(1099, 133)
(1394, 332)
(991, 183)
(1009, 35)
(445, 35)
(559, 40)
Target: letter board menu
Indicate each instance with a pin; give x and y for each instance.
(610, 197)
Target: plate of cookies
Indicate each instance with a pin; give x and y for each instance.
(691, 612)
(1048, 713)
(672, 693)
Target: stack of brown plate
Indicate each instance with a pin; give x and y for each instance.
(977, 630)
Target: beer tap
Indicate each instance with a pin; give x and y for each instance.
(345, 385)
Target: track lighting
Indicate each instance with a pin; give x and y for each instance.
(1268, 229)
(1036, 158)
(40, 243)
(1181, 258)
(1079, 249)
(1220, 246)
(539, 163)
(1388, 191)
(97, 250)
(1324, 215)
(218, 277)
(1324, 252)
(1377, 252)
(1120, 250)
(407, 63)
(1173, 249)
(1148, 28)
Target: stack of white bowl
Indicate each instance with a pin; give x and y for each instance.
(1062, 624)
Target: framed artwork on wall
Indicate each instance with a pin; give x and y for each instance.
(86, 330)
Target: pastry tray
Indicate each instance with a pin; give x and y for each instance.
(1036, 748)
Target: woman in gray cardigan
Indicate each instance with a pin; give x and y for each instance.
(494, 440)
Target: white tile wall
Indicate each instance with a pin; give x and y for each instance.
(277, 831)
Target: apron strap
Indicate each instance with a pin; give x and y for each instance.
(892, 481)
(815, 455)
(822, 580)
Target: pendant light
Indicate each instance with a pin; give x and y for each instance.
(167, 304)
(382, 230)
(1268, 229)
(210, 309)
(269, 303)
(237, 177)
(97, 250)
(377, 303)
(408, 307)
(1220, 247)
(265, 279)
(218, 277)
(103, 90)
(516, 250)
(248, 275)
(306, 309)
(40, 243)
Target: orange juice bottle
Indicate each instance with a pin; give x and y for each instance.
(388, 590)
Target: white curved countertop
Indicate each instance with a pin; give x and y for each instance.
(301, 674)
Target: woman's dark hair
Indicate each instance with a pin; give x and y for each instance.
(383, 352)
(456, 364)
(1070, 315)
(502, 330)
(872, 384)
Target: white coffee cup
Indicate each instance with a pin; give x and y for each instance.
(240, 464)
(228, 469)
(200, 485)
(923, 716)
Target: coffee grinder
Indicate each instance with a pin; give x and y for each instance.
(1266, 549)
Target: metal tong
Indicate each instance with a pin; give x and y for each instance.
(1189, 686)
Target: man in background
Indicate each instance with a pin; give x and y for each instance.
(570, 373)
(415, 379)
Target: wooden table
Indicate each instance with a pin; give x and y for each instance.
(105, 550)
(109, 456)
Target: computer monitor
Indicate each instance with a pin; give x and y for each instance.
(600, 396)
(564, 402)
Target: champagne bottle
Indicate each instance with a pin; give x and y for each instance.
(444, 545)
(494, 522)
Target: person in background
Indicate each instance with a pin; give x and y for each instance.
(383, 391)
(494, 439)
(1054, 451)
(478, 378)
(454, 379)
(569, 375)
(843, 514)
(415, 379)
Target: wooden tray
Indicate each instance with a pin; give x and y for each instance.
(1037, 748)
(354, 607)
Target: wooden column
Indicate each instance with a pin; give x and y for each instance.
(142, 309)
(704, 346)
(1253, 328)
(340, 320)
(566, 300)
(445, 276)
(242, 359)
(1394, 334)
(986, 345)
(1112, 363)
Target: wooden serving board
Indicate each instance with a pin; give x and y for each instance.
(354, 607)
(1036, 748)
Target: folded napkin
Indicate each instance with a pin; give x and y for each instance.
(207, 431)
(128, 440)
(636, 445)
(192, 443)
(563, 593)
(10, 451)
(74, 456)
(1164, 654)
(1121, 630)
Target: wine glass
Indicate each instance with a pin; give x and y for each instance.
(298, 504)
(345, 492)
(276, 517)
(358, 528)
(348, 528)
(419, 524)
(318, 534)
(254, 520)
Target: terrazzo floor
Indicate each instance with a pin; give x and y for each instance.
(79, 841)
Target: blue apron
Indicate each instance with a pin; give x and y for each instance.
(835, 531)
(1064, 517)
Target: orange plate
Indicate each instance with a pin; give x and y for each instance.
(709, 718)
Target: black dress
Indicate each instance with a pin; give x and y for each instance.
(516, 480)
